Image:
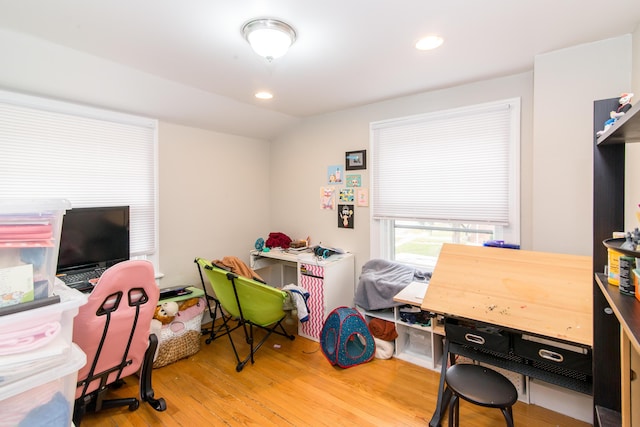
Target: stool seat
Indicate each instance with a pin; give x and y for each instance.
(480, 386)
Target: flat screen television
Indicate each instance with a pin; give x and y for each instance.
(93, 237)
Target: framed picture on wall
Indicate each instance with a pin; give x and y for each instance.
(334, 175)
(355, 160)
(345, 216)
(362, 196)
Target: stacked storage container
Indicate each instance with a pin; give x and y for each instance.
(29, 244)
(38, 361)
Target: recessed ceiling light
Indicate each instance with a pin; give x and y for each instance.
(264, 95)
(430, 42)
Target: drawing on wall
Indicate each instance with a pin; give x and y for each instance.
(345, 216)
(362, 196)
(347, 195)
(354, 181)
(327, 198)
(355, 160)
(334, 175)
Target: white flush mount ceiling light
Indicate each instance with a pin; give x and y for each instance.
(264, 95)
(269, 38)
(430, 42)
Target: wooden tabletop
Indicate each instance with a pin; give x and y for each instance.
(412, 294)
(537, 292)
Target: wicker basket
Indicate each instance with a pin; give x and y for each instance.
(177, 348)
(180, 338)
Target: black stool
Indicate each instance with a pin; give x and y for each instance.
(480, 386)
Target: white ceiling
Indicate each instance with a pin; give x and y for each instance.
(348, 52)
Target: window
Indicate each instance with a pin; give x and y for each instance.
(88, 156)
(450, 176)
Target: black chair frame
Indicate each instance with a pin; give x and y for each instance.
(241, 321)
(221, 329)
(248, 331)
(96, 400)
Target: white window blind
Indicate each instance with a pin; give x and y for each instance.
(455, 165)
(88, 156)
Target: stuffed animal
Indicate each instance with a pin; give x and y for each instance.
(166, 312)
(188, 303)
(625, 105)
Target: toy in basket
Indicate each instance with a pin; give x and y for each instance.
(178, 335)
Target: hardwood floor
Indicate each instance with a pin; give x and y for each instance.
(292, 384)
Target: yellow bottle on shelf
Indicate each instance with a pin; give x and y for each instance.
(614, 267)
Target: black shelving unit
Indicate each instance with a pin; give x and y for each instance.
(608, 216)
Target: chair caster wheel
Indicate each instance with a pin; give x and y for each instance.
(135, 405)
(162, 406)
(208, 341)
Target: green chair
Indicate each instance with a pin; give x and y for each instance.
(250, 303)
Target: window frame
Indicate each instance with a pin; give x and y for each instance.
(128, 143)
(383, 229)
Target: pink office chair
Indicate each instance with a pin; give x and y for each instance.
(113, 329)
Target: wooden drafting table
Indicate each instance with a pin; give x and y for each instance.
(526, 292)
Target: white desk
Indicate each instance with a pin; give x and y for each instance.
(330, 282)
(284, 263)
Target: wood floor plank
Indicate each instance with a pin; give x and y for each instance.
(292, 384)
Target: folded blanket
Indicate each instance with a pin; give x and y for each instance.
(237, 266)
(17, 408)
(27, 339)
(384, 349)
(383, 329)
(381, 280)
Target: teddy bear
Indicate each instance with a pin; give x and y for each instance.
(188, 303)
(166, 311)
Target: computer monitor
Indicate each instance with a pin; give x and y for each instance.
(93, 237)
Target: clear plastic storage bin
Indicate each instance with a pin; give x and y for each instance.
(38, 339)
(420, 342)
(29, 243)
(46, 398)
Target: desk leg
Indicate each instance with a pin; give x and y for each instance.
(444, 394)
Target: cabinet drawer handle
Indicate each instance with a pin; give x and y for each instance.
(476, 339)
(550, 355)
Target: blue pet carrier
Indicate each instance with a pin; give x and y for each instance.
(345, 338)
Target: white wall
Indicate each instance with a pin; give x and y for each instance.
(39, 67)
(300, 157)
(632, 171)
(214, 189)
(556, 152)
(278, 186)
(213, 186)
(566, 84)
